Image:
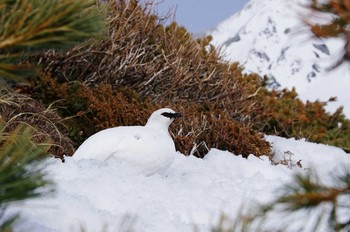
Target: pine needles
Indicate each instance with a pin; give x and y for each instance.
(17, 152)
(306, 202)
(30, 26)
(46, 24)
(307, 192)
(21, 176)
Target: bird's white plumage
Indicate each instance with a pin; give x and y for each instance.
(148, 147)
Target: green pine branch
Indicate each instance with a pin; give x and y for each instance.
(47, 24)
(308, 193)
(21, 175)
(30, 26)
(305, 193)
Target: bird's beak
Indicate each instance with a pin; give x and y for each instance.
(176, 115)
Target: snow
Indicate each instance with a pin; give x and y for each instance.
(268, 37)
(192, 193)
(150, 148)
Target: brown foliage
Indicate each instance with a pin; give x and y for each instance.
(93, 108)
(158, 63)
(203, 126)
(286, 115)
(18, 108)
(142, 66)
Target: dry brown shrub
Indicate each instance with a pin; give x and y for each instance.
(286, 115)
(202, 127)
(17, 108)
(91, 109)
(142, 66)
(158, 63)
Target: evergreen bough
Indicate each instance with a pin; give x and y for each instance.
(21, 173)
(306, 199)
(31, 26)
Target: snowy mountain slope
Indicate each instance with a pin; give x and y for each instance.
(192, 193)
(268, 38)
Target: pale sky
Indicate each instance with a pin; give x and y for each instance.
(200, 15)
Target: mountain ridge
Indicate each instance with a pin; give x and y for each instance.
(268, 37)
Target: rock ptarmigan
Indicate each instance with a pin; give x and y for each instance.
(150, 148)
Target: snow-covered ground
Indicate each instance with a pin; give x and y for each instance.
(192, 193)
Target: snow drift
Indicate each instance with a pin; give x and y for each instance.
(97, 195)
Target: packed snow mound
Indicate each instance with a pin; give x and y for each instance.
(268, 37)
(193, 193)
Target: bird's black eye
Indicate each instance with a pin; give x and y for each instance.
(171, 115)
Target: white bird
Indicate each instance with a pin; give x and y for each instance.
(148, 147)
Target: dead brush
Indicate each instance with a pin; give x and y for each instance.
(91, 109)
(286, 159)
(141, 66)
(287, 116)
(202, 127)
(16, 108)
(158, 62)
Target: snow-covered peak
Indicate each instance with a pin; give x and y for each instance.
(254, 15)
(268, 37)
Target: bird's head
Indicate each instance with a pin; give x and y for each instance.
(163, 118)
